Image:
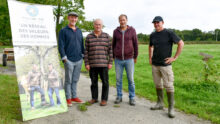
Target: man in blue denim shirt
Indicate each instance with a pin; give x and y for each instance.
(71, 50)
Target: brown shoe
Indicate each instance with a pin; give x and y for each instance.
(103, 103)
(92, 101)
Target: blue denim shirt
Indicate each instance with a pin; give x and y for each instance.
(71, 44)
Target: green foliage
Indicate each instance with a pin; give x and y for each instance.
(82, 107)
(143, 37)
(211, 71)
(66, 6)
(5, 32)
(87, 103)
(116, 106)
(189, 35)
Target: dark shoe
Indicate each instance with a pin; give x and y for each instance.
(118, 100)
(103, 103)
(171, 113)
(159, 105)
(92, 101)
(132, 102)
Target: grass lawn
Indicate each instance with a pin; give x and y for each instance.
(10, 109)
(192, 94)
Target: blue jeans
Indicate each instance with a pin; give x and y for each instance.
(50, 94)
(72, 73)
(119, 68)
(40, 90)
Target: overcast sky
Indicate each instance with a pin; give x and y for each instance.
(178, 14)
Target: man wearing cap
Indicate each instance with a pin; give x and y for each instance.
(125, 52)
(71, 48)
(98, 60)
(160, 57)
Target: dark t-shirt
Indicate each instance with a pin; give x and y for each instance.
(163, 43)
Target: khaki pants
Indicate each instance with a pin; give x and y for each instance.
(163, 77)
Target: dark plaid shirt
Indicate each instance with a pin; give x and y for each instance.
(98, 50)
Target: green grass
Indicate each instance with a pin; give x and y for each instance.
(192, 94)
(10, 110)
(39, 111)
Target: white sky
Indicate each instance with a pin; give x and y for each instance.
(178, 14)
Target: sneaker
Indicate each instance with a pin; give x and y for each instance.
(118, 100)
(69, 102)
(32, 108)
(92, 101)
(77, 100)
(132, 102)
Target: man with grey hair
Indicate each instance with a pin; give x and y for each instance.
(71, 50)
(98, 60)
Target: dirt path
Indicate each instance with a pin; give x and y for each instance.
(125, 114)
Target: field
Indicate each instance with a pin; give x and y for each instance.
(192, 94)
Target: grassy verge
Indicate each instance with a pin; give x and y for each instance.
(10, 110)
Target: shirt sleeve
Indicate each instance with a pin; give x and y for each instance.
(86, 59)
(151, 42)
(82, 47)
(113, 43)
(61, 44)
(110, 50)
(174, 37)
(135, 44)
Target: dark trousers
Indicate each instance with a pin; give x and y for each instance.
(103, 73)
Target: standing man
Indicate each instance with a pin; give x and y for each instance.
(71, 50)
(125, 52)
(98, 59)
(53, 84)
(34, 84)
(160, 52)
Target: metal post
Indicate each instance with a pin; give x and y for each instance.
(216, 35)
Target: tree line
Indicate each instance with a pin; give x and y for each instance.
(189, 35)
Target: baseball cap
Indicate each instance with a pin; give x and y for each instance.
(157, 19)
(72, 14)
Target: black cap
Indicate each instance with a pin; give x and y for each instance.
(157, 19)
(73, 14)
